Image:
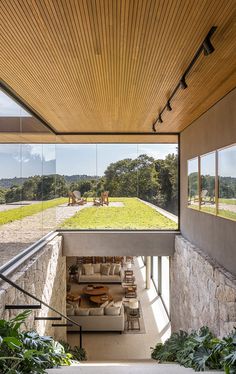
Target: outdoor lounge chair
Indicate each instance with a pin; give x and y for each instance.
(102, 200)
(76, 199)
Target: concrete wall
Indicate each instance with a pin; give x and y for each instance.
(202, 293)
(105, 243)
(44, 276)
(215, 129)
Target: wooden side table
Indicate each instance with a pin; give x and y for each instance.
(133, 319)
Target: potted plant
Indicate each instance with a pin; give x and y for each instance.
(73, 269)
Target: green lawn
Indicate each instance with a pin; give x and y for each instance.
(133, 215)
(228, 201)
(11, 215)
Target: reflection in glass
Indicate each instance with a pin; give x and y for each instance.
(193, 188)
(227, 182)
(208, 203)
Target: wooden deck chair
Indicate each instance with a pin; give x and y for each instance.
(76, 199)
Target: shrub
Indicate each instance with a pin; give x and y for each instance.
(25, 352)
(199, 350)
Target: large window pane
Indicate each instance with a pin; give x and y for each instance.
(165, 273)
(155, 270)
(208, 183)
(227, 182)
(193, 187)
(120, 186)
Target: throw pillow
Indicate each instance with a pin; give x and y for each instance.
(118, 304)
(70, 310)
(117, 269)
(112, 269)
(104, 304)
(112, 311)
(89, 270)
(110, 304)
(96, 311)
(97, 268)
(82, 311)
(84, 267)
(105, 269)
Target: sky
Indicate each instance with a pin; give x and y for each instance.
(9, 108)
(71, 159)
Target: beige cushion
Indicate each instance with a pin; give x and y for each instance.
(117, 269)
(84, 267)
(112, 269)
(105, 269)
(82, 311)
(104, 304)
(89, 270)
(70, 310)
(96, 311)
(112, 311)
(97, 268)
(118, 304)
(110, 304)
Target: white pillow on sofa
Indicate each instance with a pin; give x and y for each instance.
(96, 311)
(118, 304)
(84, 267)
(89, 270)
(82, 311)
(105, 269)
(97, 268)
(104, 305)
(112, 311)
(117, 269)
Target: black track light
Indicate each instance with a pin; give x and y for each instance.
(168, 106)
(183, 83)
(160, 119)
(207, 47)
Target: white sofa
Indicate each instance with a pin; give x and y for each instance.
(99, 323)
(97, 277)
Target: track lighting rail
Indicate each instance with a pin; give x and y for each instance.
(207, 48)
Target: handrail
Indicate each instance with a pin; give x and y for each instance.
(5, 279)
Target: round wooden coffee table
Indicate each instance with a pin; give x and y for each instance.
(103, 290)
(98, 299)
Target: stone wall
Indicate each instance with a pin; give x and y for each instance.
(202, 293)
(44, 276)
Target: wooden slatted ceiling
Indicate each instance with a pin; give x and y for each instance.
(109, 65)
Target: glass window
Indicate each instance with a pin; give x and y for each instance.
(120, 186)
(165, 283)
(208, 203)
(193, 187)
(155, 271)
(227, 182)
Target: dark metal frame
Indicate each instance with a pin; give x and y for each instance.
(9, 281)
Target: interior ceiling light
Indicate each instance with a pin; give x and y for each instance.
(207, 48)
(183, 83)
(160, 119)
(168, 106)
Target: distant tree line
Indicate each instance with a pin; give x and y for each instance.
(152, 180)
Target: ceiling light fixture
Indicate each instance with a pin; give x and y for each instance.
(168, 106)
(207, 48)
(182, 83)
(160, 119)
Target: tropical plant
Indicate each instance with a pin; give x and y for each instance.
(77, 353)
(24, 352)
(199, 350)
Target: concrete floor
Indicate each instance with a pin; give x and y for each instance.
(115, 346)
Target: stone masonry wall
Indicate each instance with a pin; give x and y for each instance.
(44, 276)
(202, 293)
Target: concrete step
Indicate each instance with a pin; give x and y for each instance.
(127, 367)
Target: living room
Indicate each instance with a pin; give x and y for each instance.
(117, 302)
